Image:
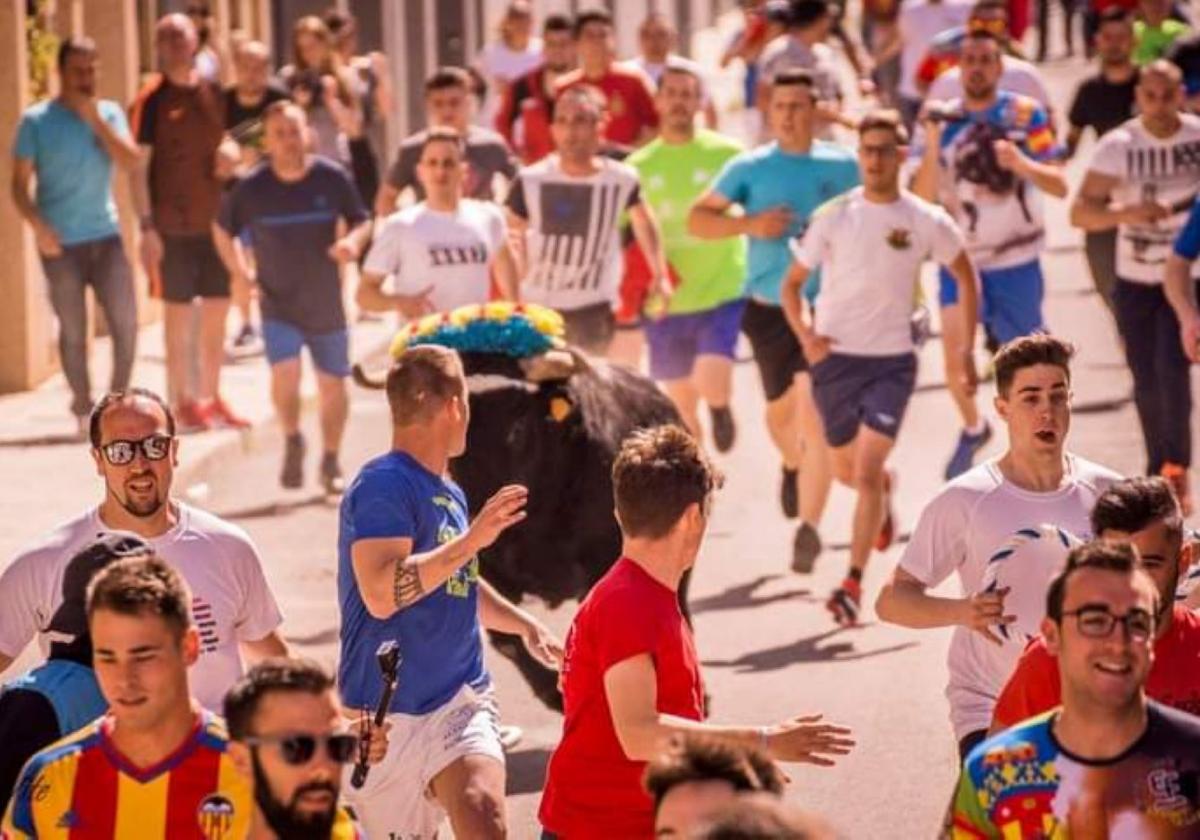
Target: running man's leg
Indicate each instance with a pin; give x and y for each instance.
(871, 449)
(816, 472)
(1101, 250)
(471, 789)
(112, 279)
(177, 341)
(712, 379)
(627, 346)
(180, 288)
(213, 313)
(954, 348)
(712, 373)
(331, 358)
(1174, 394)
(1137, 321)
(671, 342)
(285, 394)
(65, 284)
(686, 398)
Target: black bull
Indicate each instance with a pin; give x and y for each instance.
(558, 438)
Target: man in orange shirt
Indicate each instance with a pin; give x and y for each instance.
(1141, 511)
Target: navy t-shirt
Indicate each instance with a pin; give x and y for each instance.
(395, 497)
(292, 226)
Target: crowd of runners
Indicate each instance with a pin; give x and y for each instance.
(551, 172)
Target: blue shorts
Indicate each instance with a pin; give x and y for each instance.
(870, 390)
(1011, 304)
(676, 340)
(330, 351)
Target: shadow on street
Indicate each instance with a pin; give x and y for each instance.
(808, 649)
(742, 596)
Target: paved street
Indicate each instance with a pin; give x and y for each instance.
(768, 647)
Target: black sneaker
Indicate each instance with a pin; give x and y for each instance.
(292, 475)
(789, 493)
(806, 546)
(331, 475)
(724, 431)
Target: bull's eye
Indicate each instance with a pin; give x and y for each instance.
(560, 409)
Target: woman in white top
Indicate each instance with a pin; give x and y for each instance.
(515, 53)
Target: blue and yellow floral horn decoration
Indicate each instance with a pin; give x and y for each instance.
(512, 329)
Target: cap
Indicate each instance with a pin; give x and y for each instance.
(71, 616)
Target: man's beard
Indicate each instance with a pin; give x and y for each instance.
(285, 820)
(142, 510)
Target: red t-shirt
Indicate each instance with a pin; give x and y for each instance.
(592, 789)
(1174, 680)
(630, 101)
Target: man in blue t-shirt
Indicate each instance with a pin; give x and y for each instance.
(292, 208)
(68, 144)
(408, 572)
(778, 186)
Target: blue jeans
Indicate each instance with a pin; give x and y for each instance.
(101, 264)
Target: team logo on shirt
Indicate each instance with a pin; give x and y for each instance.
(215, 817)
(900, 239)
(616, 105)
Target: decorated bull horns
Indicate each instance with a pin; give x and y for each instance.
(512, 329)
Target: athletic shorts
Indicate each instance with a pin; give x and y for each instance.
(396, 800)
(869, 390)
(192, 268)
(330, 351)
(1011, 300)
(590, 328)
(676, 340)
(777, 351)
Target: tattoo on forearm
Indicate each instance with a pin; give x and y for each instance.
(406, 585)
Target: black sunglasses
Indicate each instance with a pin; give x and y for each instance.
(121, 452)
(300, 749)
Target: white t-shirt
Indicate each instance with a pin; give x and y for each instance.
(1016, 76)
(231, 600)
(1150, 169)
(501, 65)
(452, 252)
(918, 23)
(573, 245)
(870, 256)
(958, 531)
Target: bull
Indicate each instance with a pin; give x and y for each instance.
(553, 422)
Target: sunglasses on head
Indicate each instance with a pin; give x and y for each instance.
(299, 749)
(121, 452)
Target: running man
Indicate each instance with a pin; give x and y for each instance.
(527, 104)
(1109, 762)
(442, 252)
(567, 210)
(870, 244)
(692, 346)
(778, 186)
(1035, 481)
(986, 158)
(408, 571)
(1142, 181)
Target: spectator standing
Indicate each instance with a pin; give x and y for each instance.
(657, 41)
(209, 62)
(69, 144)
(515, 52)
(321, 84)
(371, 82)
(306, 221)
(527, 106)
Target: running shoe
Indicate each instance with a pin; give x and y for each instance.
(968, 447)
(247, 336)
(292, 475)
(724, 431)
(247, 343)
(887, 531)
(789, 493)
(1177, 476)
(844, 602)
(806, 546)
(220, 414)
(510, 736)
(331, 475)
(190, 416)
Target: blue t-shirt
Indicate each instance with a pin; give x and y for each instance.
(767, 177)
(74, 172)
(395, 497)
(1187, 243)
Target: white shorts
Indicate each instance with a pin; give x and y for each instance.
(396, 801)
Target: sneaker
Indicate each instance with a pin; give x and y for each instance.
(844, 602)
(190, 416)
(331, 475)
(292, 475)
(806, 546)
(724, 431)
(1177, 476)
(510, 736)
(964, 454)
(887, 531)
(247, 337)
(219, 412)
(789, 493)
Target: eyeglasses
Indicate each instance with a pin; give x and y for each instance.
(121, 452)
(298, 749)
(1098, 623)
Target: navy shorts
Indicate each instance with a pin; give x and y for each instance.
(870, 390)
(676, 340)
(777, 351)
(192, 268)
(1011, 304)
(330, 351)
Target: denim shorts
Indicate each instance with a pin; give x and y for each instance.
(1010, 302)
(330, 351)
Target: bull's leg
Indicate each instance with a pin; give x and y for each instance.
(541, 679)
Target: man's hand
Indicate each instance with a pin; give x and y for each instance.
(85, 107)
(416, 306)
(1146, 213)
(503, 510)
(48, 243)
(227, 159)
(660, 296)
(343, 251)
(805, 739)
(373, 740)
(816, 347)
(1009, 157)
(770, 224)
(983, 610)
(1189, 334)
(543, 645)
(151, 251)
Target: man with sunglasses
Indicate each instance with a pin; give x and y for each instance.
(1109, 762)
(288, 735)
(135, 451)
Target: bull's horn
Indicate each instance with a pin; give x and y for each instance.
(552, 365)
(364, 380)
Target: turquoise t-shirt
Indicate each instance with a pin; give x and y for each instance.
(767, 177)
(74, 172)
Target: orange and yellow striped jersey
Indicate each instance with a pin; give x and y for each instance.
(82, 788)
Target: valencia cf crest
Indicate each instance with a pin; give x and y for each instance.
(900, 239)
(215, 817)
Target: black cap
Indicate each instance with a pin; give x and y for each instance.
(71, 616)
(778, 11)
(804, 12)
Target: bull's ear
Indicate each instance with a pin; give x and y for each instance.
(560, 408)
